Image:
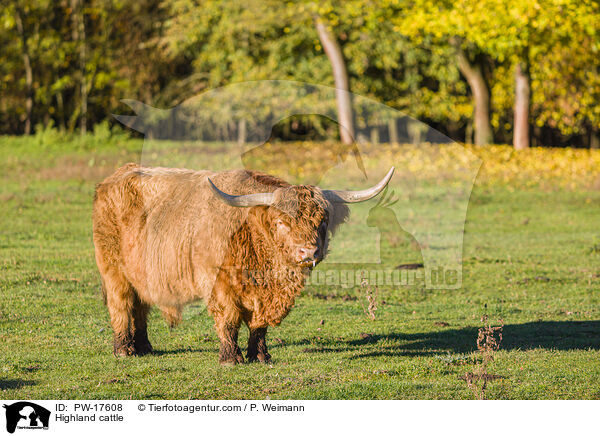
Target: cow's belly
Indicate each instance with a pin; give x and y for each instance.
(170, 288)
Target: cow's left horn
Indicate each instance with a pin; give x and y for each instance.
(358, 196)
(249, 200)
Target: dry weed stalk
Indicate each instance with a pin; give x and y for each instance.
(371, 296)
(488, 342)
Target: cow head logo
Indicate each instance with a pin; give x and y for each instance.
(419, 227)
(26, 415)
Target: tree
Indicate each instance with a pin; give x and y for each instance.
(521, 37)
(24, 23)
(473, 72)
(520, 70)
(23, 36)
(386, 65)
(428, 19)
(231, 42)
(338, 65)
(522, 103)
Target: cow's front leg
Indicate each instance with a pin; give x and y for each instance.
(227, 329)
(257, 345)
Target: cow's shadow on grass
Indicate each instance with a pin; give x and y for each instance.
(558, 335)
(10, 384)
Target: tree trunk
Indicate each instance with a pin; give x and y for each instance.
(469, 132)
(375, 135)
(594, 138)
(340, 76)
(393, 131)
(84, 85)
(28, 71)
(522, 96)
(60, 116)
(241, 132)
(536, 139)
(481, 98)
(78, 34)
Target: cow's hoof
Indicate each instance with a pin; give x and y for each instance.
(124, 352)
(143, 349)
(231, 360)
(132, 350)
(264, 358)
(260, 357)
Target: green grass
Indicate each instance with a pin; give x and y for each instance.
(531, 257)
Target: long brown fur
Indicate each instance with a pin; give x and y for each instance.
(163, 238)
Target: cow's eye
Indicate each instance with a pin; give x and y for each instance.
(282, 226)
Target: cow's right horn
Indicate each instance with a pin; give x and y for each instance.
(249, 200)
(358, 196)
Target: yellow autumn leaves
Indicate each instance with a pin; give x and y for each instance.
(306, 162)
(544, 167)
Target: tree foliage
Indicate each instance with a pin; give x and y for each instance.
(68, 63)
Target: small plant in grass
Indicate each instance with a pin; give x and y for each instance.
(371, 294)
(595, 249)
(488, 342)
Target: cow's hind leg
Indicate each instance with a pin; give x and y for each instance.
(257, 345)
(227, 328)
(139, 332)
(118, 294)
(127, 315)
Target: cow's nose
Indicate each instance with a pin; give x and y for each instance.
(307, 253)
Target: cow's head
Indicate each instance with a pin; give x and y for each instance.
(297, 218)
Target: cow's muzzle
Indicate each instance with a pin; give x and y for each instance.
(309, 256)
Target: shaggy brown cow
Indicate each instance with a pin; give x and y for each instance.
(168, 236)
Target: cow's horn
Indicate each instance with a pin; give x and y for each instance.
(261, 199)
(358, 196)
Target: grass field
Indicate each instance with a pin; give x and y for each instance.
(531, 258)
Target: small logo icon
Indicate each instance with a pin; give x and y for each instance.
(26, 415)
